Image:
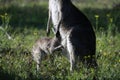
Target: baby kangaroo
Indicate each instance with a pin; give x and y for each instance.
(44, 47)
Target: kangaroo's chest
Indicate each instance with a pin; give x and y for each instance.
(54, 9)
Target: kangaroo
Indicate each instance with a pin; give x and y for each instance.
(44, 47)
(77, 35)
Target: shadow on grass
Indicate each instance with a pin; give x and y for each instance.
(106, 17)
(25, 16)
(8, 76)
(37, 16)
(11, 76)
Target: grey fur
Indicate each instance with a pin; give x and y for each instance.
(77, 35)
(44, 47)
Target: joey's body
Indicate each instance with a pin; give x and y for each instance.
(44, 47)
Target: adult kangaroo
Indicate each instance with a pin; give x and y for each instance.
(77, 35)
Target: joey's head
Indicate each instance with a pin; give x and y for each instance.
(56, 41)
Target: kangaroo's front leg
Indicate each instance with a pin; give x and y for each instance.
(59, 22)
(48, 24)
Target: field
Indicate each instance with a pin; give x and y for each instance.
(22, 25)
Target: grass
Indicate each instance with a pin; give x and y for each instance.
(15, 54)
(16, 62)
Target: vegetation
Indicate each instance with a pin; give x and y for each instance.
(22, 25)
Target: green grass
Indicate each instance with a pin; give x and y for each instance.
(16, 62)
(15, 55)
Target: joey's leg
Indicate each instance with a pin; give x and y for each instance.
(56, 48)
